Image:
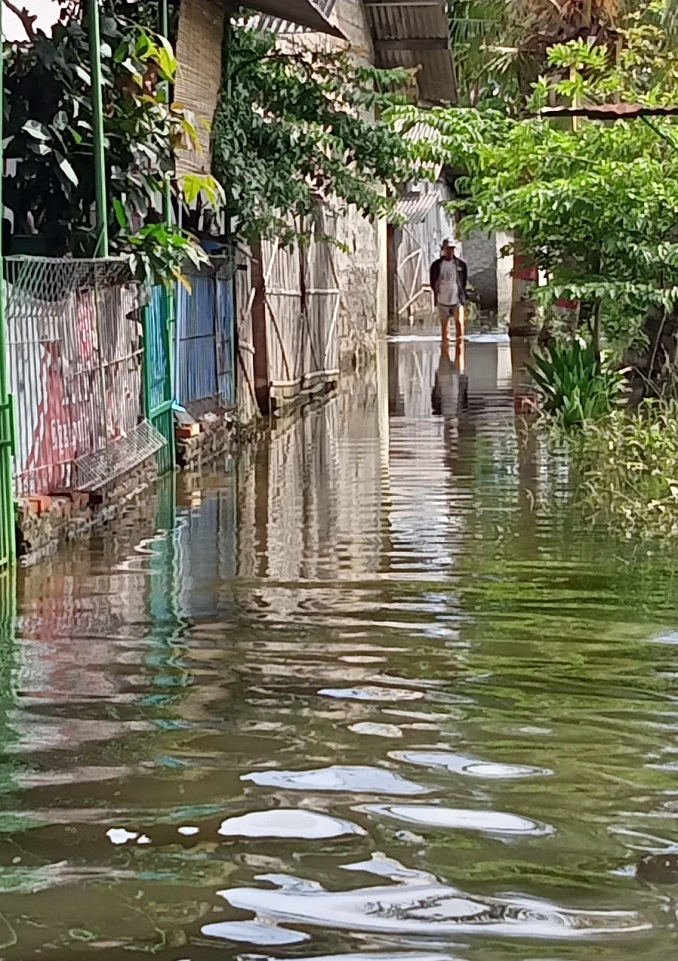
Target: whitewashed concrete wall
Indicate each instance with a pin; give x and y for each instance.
(489, 272)
(362, 268)
(480, 254)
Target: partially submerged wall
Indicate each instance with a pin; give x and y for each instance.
(362, 280)
(47, 523)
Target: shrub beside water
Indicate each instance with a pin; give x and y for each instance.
(624, 462)
(576, 383)
(626, 467)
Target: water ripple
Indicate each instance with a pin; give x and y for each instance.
(432, 911)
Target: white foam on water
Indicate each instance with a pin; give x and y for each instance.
(433, 910)
(354, 779)
(472, 767)
(253, 933)
(287, 823)
(468, 819)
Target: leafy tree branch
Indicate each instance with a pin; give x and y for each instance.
(293, 129)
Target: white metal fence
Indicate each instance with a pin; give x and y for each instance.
(75, 370)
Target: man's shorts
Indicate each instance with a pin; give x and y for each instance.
(444, 312)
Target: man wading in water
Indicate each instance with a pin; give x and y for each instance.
(448, 283)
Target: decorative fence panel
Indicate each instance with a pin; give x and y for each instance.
(415, 245)
(323, 300)
(204, 341)
(286, 336)
(158, 393)
(7, 531)
(75, 368)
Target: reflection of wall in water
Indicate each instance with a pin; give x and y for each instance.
(412, 370)
(432, 469)
(99, 610)
(413, 365)
(83, 632)
(206, 545)
(420, 516)
(488, 366)
(309, 496)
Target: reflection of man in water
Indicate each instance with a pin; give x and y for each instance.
(449, 397)
(448, 278)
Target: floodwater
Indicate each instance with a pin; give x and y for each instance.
(371, 693)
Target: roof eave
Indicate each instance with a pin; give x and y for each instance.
(303, 13)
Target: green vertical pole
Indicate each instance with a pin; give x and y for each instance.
(98, 118)
(168, 293)
(6, 404)
(166, 195)
(157, 324)
(228, 226)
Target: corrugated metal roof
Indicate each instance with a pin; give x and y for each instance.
(405, 33)
(414, 33)
(421, 132)
(294, 16)
(415, 206)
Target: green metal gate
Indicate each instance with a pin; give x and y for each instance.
(7, 538)
(158, 392)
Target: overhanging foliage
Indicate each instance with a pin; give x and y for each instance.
(595, 207)
(293, 128)
(49, 132)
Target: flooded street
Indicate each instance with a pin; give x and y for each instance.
(370, 690)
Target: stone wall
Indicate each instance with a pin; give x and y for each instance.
(362, 280)
(480, 254)
(363, 269)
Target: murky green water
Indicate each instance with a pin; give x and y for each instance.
(365, 693)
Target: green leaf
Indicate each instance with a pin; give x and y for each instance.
(120, 214)
(83, 74)
(166, 59)
(42, 149)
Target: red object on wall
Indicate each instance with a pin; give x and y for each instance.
(523, 270)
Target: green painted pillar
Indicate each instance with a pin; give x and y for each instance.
(101, 193)
(7, 531)
(169, 295)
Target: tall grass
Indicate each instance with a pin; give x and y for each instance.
(626, 468)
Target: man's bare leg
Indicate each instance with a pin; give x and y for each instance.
(445, 329)
(444, 317)
(459, 321)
